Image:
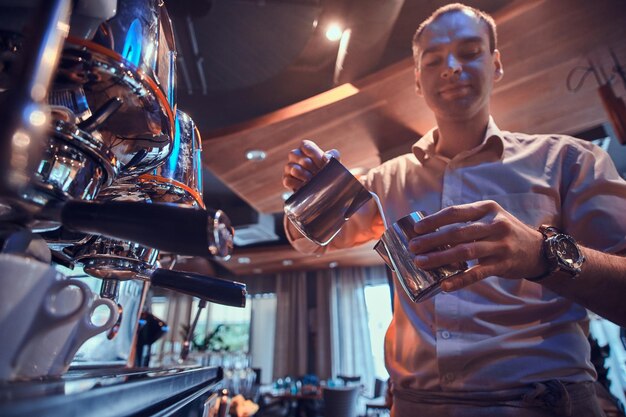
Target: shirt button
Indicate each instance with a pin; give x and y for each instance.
(449, 377)
(445, 334)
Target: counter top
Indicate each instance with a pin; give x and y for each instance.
(106, 392)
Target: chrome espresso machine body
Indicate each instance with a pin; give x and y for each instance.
(92, 146)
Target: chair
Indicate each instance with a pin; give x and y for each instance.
(257, 376)
(349, 380)
(378, 406)
(378, 402)
(340, 401)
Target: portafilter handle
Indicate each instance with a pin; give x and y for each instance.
(170, 228)
(215, 290)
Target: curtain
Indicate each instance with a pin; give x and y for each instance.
(178, 315)
(334, 334)
(322, 326)
(262, 335)
(350, 337)
(291, 347)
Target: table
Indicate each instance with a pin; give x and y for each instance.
(295, 400)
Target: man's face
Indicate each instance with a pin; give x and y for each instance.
(455, 69)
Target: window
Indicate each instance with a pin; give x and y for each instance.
(378, 318)
(233, 334)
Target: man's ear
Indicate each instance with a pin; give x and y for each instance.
(499, 69)
(418, 85)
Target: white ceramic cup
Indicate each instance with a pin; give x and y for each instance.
(51, 353)
(28, 307)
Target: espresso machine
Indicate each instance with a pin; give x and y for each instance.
(99, 170)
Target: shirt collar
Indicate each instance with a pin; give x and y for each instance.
(424, 148)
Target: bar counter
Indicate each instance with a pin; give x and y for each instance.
(114, 392)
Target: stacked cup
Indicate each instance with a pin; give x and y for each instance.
(44, 318)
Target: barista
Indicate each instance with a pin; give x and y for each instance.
(508, 336)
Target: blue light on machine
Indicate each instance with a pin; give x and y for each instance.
(173, 158)
(132, 44)
(172, 81)
(199, 169)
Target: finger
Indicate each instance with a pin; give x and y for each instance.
(460, 253)
(462, 213)
(311, 150)
(296, 156)
(292, 183)
(297, 171)
(449, 235)
(472, 275)
(333, 153)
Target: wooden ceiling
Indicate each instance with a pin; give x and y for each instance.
(380, 116)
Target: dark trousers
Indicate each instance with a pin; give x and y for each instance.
(547, 399)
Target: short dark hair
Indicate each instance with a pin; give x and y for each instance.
(481, 16)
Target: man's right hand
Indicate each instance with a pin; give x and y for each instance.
(304, 162)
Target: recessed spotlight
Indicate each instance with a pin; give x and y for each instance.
(334, 32)
(37, 118)
(255, 155)
(333, 264)
(287, 262)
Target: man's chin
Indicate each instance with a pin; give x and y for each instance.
(457, 112)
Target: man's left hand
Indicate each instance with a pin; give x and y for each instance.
(484, 231)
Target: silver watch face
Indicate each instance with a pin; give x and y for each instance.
(567, 252)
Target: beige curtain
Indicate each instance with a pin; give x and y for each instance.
(262, 335)
(291, 348)
(349, 334)
(335, 333)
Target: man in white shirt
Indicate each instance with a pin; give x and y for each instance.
(508, 336)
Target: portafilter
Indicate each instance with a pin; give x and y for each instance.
(166, 227)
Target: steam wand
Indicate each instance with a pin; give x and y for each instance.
(184, 353)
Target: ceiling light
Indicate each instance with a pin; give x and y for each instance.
(333, 264)
(334, 32)
(244, 260)
(287, 262)
(255, 155)
(37, 118)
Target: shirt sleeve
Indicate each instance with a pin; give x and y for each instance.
(594, 201)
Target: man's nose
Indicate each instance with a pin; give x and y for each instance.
(452, 67)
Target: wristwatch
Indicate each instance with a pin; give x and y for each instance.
(561, 252)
